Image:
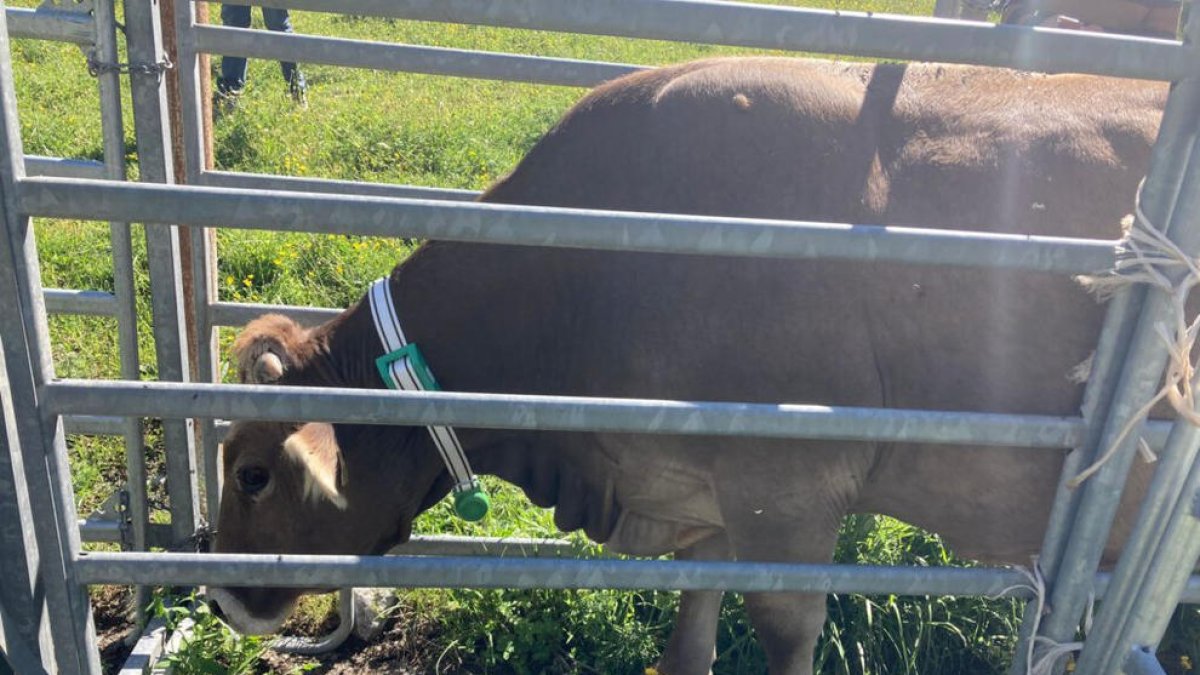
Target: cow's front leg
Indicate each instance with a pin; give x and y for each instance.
(692, 647)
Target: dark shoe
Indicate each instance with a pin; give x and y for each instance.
(298, 90)
(299, 97)
(225, 101)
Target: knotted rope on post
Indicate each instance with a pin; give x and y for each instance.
(1047, 661)
(1147, 256)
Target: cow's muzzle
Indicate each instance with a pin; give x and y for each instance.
(253, 611)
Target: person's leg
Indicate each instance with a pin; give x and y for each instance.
(278, 20)
(233, 68)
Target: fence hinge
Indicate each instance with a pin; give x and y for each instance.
(124, 520)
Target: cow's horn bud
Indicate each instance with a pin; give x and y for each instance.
(268, 368)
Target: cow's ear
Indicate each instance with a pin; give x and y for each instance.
(267, 348)
(314, 447)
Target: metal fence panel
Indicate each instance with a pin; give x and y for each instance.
(38, 436)
(36, 165)
(407, 58)
(162, 256)
(1172, 205)
(259, 181)
(172, 400)
(546, 226)
(306, 571)
(798, 29)
(49, 24)
(714, 22)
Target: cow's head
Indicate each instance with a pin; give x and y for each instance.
(311, 488)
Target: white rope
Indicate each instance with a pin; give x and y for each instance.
(1052, 651)
(1146, 256)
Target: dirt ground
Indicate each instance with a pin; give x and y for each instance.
(402, 649)
(110, 608)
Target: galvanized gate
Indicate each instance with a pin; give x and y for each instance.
(1150, 580)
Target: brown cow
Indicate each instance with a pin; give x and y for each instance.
(940, 146)
(1151, 18)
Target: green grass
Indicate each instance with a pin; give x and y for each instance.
(457, 133)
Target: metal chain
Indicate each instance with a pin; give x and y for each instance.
(199, 541)
(95, 67)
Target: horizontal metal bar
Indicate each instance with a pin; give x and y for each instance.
(94, 530)
(71, 301)
(1191, 592)
(50, 24)
(471, 572)
(111, 425)
(312, 571)
(102, 531)
(1155, 433)
(172, 400)
(94, 425)
(239, 313)
(264, 181)
(61, 167)
(799, 29)
(544, 226)
(407, 58)
(453, 545)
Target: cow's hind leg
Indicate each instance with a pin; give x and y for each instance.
(692, 647)
(786, 507)
(788, 625)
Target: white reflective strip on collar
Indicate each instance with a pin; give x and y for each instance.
(404, 377)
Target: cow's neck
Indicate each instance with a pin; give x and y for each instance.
(488, 319)
(467, 309)
(470, 309)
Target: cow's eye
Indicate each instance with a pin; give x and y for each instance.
(253, 479)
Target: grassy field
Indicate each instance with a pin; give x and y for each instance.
(456, 133)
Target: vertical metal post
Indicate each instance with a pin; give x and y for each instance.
(1156, 562)
(1168, 163)
(38, 435)
(112, 127)
(202, 288)
(162, 251)
(24, 633)
(1170, 571)
(206, 361)
(1115, 336)
(188, 69)
(1171, 200)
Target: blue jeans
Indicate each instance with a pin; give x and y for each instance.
(233, 68)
